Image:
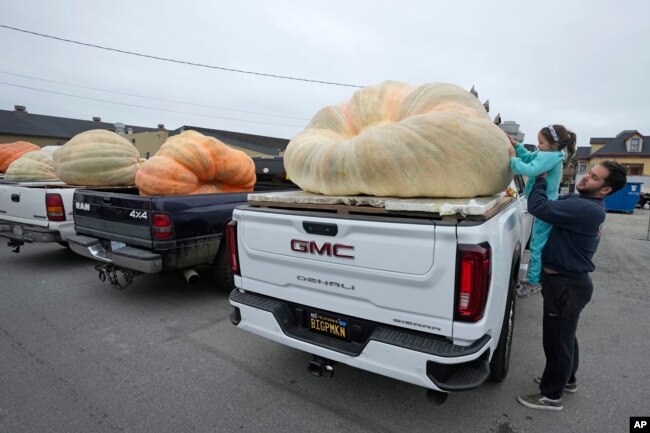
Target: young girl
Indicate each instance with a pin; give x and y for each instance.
(554, 141)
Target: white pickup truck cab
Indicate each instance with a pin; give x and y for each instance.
(35, 212)
(418, 290)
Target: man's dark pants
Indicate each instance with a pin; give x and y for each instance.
(564, 299)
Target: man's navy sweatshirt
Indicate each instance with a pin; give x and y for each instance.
(577, 224)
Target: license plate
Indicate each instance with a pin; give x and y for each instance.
(328, 325)
(117, 245)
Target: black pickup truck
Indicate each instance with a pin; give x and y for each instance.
(129, 234)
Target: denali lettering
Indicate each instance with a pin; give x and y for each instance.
(324, 282)
(327, 248)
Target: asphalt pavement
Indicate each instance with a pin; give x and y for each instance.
(79, 356)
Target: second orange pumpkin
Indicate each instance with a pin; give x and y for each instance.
(192, 163)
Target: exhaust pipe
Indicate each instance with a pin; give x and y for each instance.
(320, 366)
(436, 397)
(191, 276)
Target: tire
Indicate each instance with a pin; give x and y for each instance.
(501, 359)
(221, 271)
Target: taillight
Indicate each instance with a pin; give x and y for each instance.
(231, 244)
(473, 282)
(54, 206)
(161, 226)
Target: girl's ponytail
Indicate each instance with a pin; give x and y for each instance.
(571, 144)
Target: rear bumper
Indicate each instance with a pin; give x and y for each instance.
(126, 257)
(415, 358)
(28, 234)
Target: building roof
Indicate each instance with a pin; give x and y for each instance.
(616, 145)
(583, 152)
(257, 143)
(21, 122)
(38, 125)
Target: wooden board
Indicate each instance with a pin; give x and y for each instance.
(473, 208)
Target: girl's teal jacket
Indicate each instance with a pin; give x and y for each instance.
(532, 164)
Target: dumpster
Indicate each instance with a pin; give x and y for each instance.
(624, 200)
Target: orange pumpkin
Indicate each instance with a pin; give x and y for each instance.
(9, 152)
(192, 163)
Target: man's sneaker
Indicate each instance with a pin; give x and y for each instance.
(538, 401)
(571, 387)
(525, 289)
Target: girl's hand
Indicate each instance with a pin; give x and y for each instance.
(511, 152)
(513, 142)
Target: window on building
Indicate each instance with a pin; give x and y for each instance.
(635, 145)
(582, 168)
(634, 169)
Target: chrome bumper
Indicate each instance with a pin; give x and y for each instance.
(118, 254)
(28, 234)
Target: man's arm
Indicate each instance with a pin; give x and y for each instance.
(556, 212)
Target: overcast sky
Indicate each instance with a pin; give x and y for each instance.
(583, 63)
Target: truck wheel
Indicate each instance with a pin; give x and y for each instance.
(222, 272)
(501, 358)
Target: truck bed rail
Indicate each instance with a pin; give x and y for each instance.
(477, 208)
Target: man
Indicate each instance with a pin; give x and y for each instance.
(566, 286)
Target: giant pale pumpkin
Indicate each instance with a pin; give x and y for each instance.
(97, 158)
(9, 152)
(192, 163)
(32, 166)
(394, 139)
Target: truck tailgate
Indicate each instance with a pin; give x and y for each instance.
(116, 216)
(387, 269)
(20, 203)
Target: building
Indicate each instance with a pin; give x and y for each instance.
(512, 128)
(630, 148)
(582, 159)
(252, 145)
(149, 142)
(20, 125)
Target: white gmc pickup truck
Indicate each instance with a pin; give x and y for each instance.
(35, 212)
(420, 290)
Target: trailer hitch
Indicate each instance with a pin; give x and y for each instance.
(15, 245)
(320, 366)
(110, 272)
